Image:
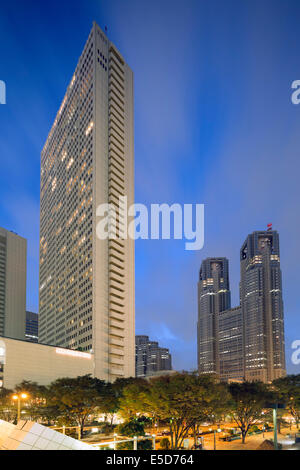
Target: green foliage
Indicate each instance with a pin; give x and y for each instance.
(131, 428)
(109, 401)
(246, 404)
(75, 398)
(145, 445)
(165, 443)
(288, 390)
(131, 397)
(142, 445)
(181, 400)
(35, 405)
(107, 428)
(8, 410)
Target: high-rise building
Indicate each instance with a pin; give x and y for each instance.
(87, 283)
(213, 297)
(13, 256)
(262, 307)
(150, 358)
(230, 339)
(245, 342)
(32, 327)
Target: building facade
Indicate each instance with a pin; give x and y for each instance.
(13, 258)
(150, 358)
(32, 327)
(230, 338)
(262, 307)
(23, 360)
(213, 297)
(245, 342)
(87, 283)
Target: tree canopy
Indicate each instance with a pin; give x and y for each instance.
(182, 402)
(246, 403)
(288, 389)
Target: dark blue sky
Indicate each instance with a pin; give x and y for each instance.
(214, 124)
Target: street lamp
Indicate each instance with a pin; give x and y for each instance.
(215, 439)
(263, 428)
(275, 407)
(18, 397)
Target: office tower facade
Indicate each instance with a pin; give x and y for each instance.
(87, 283)
(150, 358)
(13, 258)
(262, 307)
(230, 338)
(32, 327)
(213, 297)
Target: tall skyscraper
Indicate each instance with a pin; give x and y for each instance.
(87, 283)
(213, 297)
(262, 307)
(13, 258)
(150, 358)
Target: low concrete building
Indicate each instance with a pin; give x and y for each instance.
(22, 360)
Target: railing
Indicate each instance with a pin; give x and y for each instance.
(112, 444)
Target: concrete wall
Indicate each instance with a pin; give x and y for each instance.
(41, 363)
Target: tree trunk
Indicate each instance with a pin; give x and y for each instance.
(243, 437)
(81, 428)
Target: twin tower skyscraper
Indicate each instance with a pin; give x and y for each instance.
(245, 342)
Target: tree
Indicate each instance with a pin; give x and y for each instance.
(132, 428)
(246, 404)
(181, 400)
(288, 389)
(131, 398)
(165, 443)
(109, 402)
(8, 411)
(76, 398)
(36, 404)
(213, 406)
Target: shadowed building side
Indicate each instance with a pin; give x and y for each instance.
(13, 259)
(231, 345)
(213, 297)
